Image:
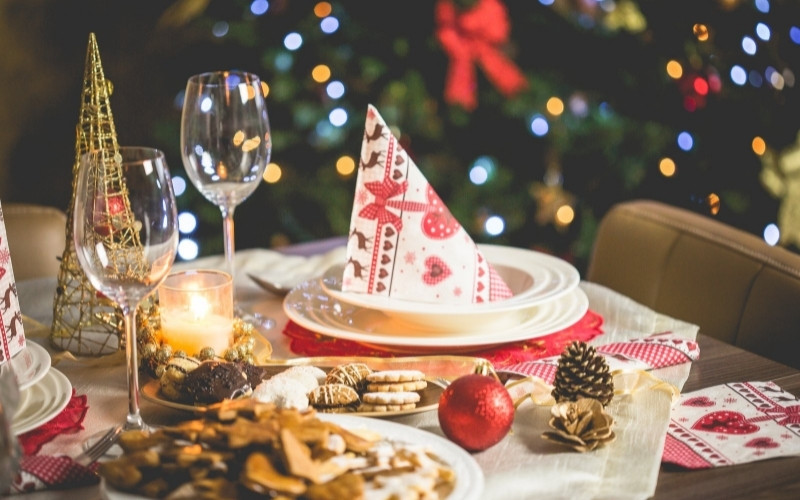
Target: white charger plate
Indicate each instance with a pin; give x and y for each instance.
(310, 306)
(534, 278)
(30, 364)
(42, 401)
(469, 476)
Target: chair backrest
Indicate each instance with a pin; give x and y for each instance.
(730, 283)
(36, 238)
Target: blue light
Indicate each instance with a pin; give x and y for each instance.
(738, 75)
(337, 117)
(685, 141)
(179, 98)
(259, 7)
(756, 80)
(329, 25)
(547, 2)
(187, 222)
(794, 34)
(772, 234)
(762, 5)
(220, 29)
(335, 89)
(293, 41)
(283, 62)
(178, 185)
(539, 125)
(748, 45)
(188, 249)
(478, 175)
(763, 31)
(494, 225)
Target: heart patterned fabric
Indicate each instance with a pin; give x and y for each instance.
(404, 243)
(733, 424)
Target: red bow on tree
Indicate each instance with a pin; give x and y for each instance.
(474, 36)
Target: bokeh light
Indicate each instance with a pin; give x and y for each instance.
(329, 25)
(494, 225)
(272, 173)
(188, 249)
(738, 75)
(685, 141)
(335, 89)
(759, 145)
(337, 117)
(749, 45)
(772, 234)
(539, 125)
(763, 32)
(293, 41)
(178, 185)
(345, 165)
(555, 106)
(700, 32)
(321, 73)
(259, 7)
(220, 29)
(323, 9)
(674, 69)
(187, 222)
(667, 167)
(565, 215)
(714, 203)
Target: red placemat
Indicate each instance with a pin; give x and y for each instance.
(308, 343)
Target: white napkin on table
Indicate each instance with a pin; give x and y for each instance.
(404, 243)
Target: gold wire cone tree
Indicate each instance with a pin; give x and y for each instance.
(85, 322)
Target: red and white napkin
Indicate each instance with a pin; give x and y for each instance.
(733, 424)
(404, 243)
(648, 353)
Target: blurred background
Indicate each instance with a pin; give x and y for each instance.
(575, 105)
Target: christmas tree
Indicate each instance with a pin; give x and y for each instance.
(530, 118)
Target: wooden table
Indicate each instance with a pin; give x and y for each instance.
(721, 363)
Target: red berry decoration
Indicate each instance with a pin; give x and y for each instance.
(476, 412)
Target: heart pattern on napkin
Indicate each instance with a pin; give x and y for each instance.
(733, 424)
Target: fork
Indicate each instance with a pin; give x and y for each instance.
(99, 448)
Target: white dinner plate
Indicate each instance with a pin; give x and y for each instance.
(311, 307)
(30, 364)
(42, 401)
(534, 278)
(469, 476)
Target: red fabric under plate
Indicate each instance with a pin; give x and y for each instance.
(307, 343)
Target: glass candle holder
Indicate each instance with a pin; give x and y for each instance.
(197, 311)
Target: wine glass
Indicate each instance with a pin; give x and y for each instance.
(225, 141)
(126, 236)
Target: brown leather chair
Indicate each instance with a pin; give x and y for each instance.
(732, 284)
(36, 238)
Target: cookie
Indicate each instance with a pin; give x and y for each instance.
(171, 380)
(372, 408)
(390, 398)
(395, 376)
(412, 385)
(351, 374)
(283, 392)
(333, 395)
(310, 377)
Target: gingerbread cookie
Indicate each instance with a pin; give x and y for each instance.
(333, 396)
(350, 374)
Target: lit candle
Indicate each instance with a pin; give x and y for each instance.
(196, 310)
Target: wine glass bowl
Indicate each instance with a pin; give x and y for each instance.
(126, 236)
(225, 141)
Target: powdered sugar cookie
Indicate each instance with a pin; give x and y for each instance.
(310, 376)
(284, 392)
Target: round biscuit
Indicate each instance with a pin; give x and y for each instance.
(415, 385)
(395, 376)
(390, 398)
(367, 407)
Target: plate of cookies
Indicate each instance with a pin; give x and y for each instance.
(367, 387)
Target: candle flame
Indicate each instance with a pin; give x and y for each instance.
(199, 307)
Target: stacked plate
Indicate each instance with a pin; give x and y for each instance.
(546, 299)
(43, 390)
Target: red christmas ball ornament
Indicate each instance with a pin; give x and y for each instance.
(476, 412)
(106, 208)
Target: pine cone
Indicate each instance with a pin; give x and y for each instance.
(582, 425)
(582, 373)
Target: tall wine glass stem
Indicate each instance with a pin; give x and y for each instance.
(227, 229)
(134, 418)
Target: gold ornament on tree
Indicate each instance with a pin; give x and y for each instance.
(86, 322)
(582, 373)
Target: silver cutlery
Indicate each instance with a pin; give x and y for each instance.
(99, 448)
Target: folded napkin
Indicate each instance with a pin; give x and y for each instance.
(308, 343)
(43, 472)
(733, 424)
(648, 353)
(404, 242)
